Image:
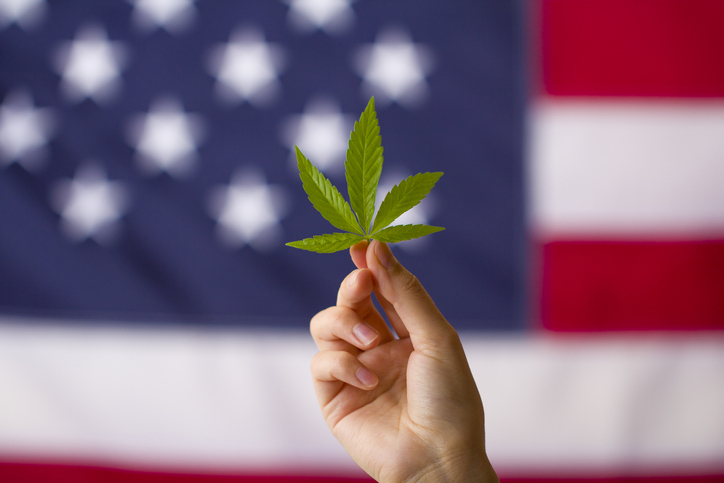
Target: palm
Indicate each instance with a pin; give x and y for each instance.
(384, 416)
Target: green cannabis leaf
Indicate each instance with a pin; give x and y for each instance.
(362, 169)
(327, 243)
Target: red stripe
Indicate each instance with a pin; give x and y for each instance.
(623, 479)
(671, 48)
(594, 286)
(56, 473)
(39, 473)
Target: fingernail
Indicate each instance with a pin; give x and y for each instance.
(364, 333)
(366, 377)
(384, 255)
(352, 278)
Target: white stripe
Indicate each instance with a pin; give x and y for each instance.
(628, 166)
(242, 400)
(603, 403)
(164, 397)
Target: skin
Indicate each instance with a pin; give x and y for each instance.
(405, 408)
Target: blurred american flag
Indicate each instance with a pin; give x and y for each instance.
(153, 327)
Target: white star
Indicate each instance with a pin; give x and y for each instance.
(394, 69)
(321, 133)
(90, 66)
(332, 16)
(420, 214)
(246, 68)
(89, 205)
(24, 131)
(166, 139)
(26, 13)
(248, 211)
(174, 16)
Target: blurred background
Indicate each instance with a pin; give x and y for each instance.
(154, 327)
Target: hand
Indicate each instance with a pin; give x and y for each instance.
(406, 408)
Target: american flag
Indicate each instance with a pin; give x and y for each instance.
(153, 326)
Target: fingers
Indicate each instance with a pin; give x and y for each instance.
(355, 293)
(342, 329)
(406, 301)
(357, 253)
(332, 369)
(355, 290)
(354, 323)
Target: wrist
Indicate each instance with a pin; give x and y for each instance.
(457, 470)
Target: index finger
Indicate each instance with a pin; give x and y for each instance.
(355, 293)
(358, 253)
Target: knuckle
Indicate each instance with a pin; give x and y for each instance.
(317, 363)
(317, 322)
(344, 366)
(343, 360)
(411, 285)
(328, 365)
(450, 337)
(316, 360)
(323, 321)
(447, 341)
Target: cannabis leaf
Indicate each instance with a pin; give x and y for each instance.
(397, 233)
(364, 165)
(327, 243)
(325, 197)
(362, 170)
(404, 196)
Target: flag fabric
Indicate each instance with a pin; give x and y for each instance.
(154, 327)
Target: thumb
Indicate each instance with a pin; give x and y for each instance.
(408, 302)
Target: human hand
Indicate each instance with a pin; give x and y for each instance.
(406, 408)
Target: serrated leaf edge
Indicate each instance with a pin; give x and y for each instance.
(427, 229)
(342, 216)
(327, 243)
(387, 212)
